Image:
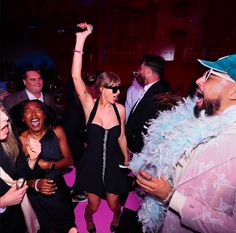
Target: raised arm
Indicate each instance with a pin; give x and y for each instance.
(80, 87)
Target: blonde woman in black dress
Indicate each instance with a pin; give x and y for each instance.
(99, 172)
(11, 215)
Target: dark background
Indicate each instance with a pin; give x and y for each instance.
(179, 30)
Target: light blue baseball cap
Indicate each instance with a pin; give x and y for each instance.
(225, 64)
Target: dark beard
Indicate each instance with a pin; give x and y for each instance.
(141, 80)
(210, 107)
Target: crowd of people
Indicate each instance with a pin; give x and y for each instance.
(180, 151)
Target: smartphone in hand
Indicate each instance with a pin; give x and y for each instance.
(20, 183)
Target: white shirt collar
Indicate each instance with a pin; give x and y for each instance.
(146, 87)
(32, 97)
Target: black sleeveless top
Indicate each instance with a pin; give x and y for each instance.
(99, 170)
(12, 219)
(53, 211)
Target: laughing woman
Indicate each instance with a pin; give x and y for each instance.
(46, 155)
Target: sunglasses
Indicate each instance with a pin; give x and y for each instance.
(221, 75)
(114, 88)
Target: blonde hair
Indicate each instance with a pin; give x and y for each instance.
(9, 145)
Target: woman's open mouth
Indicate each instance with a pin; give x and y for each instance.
(35, 122)
(4, 129)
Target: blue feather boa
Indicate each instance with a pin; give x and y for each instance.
(173, 134)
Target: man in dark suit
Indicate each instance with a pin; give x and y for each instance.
(151, 73)
(33, 90)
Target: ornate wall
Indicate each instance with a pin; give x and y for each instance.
(179, 30)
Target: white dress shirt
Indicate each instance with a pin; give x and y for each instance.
(134, 92)
(32, 97)
(145, 89)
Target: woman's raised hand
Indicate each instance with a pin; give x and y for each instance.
(33, 148)
(88, 27)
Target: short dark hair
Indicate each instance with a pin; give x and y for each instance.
(30, 69)
(156, 63)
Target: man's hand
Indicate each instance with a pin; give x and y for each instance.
(159, 187)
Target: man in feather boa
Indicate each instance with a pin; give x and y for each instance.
(187, 166)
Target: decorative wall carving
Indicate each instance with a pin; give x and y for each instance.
(147, 28)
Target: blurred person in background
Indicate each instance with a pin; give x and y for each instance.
(151, 72)
(134, 92)
(33, 83)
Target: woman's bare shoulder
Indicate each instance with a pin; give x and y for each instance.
(120, 107)
(24, 135)
(58, 130)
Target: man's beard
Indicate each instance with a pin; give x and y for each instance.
(141, 79)
(210, 107)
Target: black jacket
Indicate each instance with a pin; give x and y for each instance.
(144, 111)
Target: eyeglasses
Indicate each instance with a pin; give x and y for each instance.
(221, 75)
(114, 88)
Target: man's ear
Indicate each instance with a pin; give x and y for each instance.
(148, 71)
(24, 81)
(232, 93)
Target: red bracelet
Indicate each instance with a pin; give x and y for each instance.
(78, 51)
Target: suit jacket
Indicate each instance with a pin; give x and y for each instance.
(15, 98)
(144, 111)
(209, 185)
